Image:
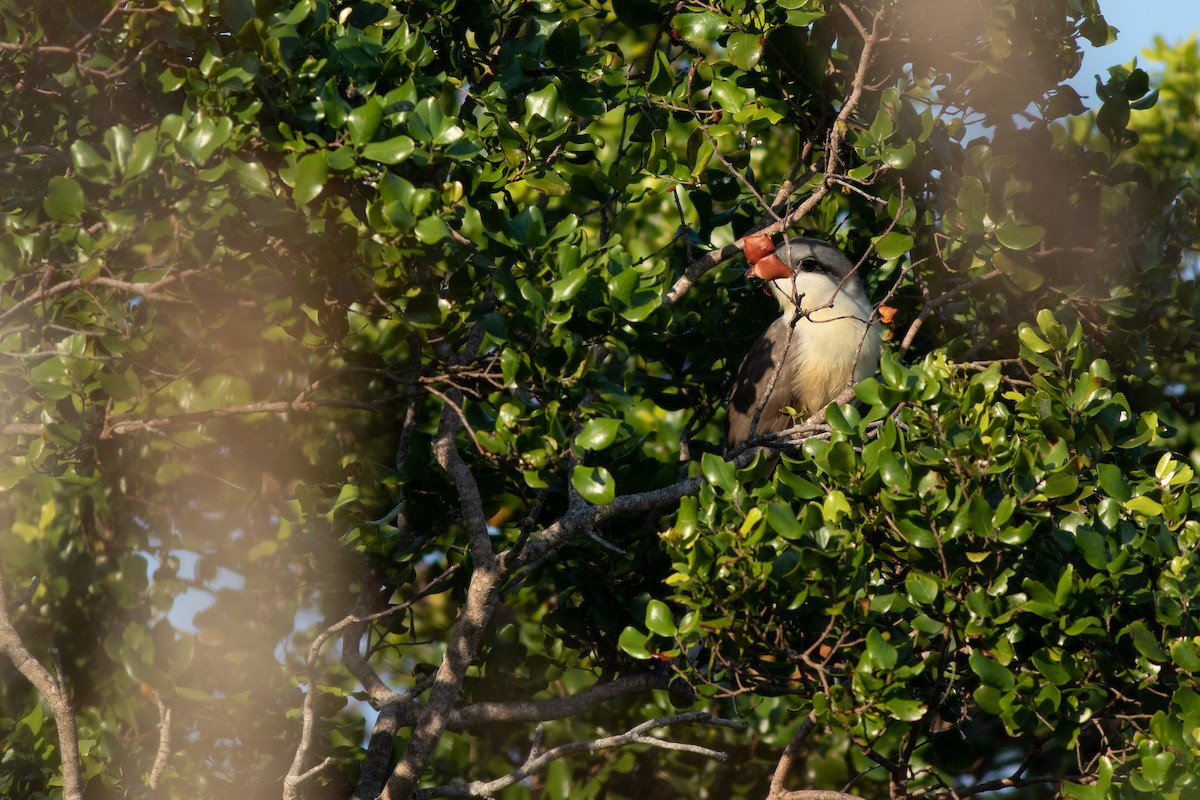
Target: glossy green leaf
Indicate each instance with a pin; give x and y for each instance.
(921, 588)
(389, 151)
(1019, 237)
(309, 177)
(700, 28)
(64, 200)
(364, 121)
(633, 642)
(659, 619)
(893, 245)
(745, 49)
(594, 484)
(719, 472)
(598, 434)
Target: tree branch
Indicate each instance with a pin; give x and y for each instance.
(164, 743)
(538, 761)
(52, 690)
(297, 774)
(480, 714)
(473, 618)
(197, 417)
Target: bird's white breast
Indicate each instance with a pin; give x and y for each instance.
(833, 343)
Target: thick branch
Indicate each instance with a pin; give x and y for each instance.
(476, 613)
(52, 690)
(479, 714)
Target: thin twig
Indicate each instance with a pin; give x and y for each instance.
(536, 762)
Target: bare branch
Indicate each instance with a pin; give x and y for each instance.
(164, 743)
(538, 761)
(480, 714)
(374, 769)
(151, 291)
(156, 424)
(463, 645)
(788, 758)
(52, 690)
(297, 774)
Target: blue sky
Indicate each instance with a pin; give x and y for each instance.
(1138, 22)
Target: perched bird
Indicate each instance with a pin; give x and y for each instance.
(825, 339)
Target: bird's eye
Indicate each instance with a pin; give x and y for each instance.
(810, 265)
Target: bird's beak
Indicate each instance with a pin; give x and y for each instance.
(769, 267)
(764, 264)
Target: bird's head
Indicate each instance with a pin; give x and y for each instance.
(804, 271)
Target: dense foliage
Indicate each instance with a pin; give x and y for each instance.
(363, 366)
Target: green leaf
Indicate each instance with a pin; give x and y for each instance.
(1147, 643)
(598, 434)
(389, 151)
(659, 618)
(88, 163)
(1019, 237)
(783, 521)
(253, 177)
(1030, 339)
(309, 178)
(893, 245)
(364, 121)
(542, 105)
(900, 157)
(569, 285)
(431, 230)
(990, 672)
(1144, 505)
(922, 588)
(633, 642)
(118, 140)
(594, 484)
(1017, 271)
(745, 49)
(904, 709)
(879, 652)
(700, 29)
(1186, 655)
(729, 95)
(719, 472)
(206, 138)
(64, 199)
(145, 148)
(1112, 481)
(348, 494)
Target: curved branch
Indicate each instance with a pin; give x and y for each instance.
(53, 690)
(463, 644)
(297, 774)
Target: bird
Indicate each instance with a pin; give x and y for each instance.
(826, 338)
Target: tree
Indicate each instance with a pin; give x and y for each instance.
(372, 354)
